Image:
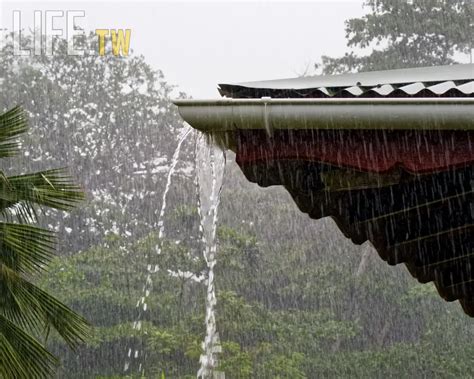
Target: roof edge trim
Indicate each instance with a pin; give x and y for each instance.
(394, 113)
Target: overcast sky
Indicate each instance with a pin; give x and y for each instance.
(200, 44)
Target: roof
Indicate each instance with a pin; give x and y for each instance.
(417, 98)
(424, 221)
(439, 81)
(388, 155)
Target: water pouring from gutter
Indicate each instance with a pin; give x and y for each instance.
(141, 306)
(210, 166)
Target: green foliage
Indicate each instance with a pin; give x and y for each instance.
(26, 311)
(236, 361)
(393, 328)
(13, 123)
(281, 366)
(406, 34)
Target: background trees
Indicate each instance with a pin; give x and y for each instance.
(110, 120)
(401, 34)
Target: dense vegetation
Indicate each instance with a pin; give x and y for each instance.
(304, 304)
(295, 298)
(400, 34)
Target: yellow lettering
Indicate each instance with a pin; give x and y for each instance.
(120, 41)
(101, 33)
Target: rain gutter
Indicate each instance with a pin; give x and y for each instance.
(224, 115)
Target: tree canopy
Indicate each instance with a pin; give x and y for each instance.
(401, 34)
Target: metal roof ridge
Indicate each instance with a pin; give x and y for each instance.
(429, 74)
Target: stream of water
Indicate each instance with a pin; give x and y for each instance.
(210, 166)
(136, 354)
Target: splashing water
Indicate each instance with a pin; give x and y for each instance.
(210, 165)
(141, 303)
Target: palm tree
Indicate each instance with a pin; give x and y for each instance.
(27, 313)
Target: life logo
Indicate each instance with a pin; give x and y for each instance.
(51, 24)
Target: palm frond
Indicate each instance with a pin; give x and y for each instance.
(21, 355)
(51, 188)
(34, 309)
(26, 248)
(12, 124)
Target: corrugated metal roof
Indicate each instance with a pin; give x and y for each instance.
(424, 221)
(441, 81)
